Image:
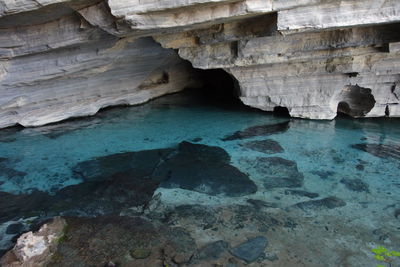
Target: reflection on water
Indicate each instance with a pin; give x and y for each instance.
(242, 186)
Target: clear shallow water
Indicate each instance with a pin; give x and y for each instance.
(43, 159)
(47, 154)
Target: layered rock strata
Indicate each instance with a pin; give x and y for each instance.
(312, 57)
(67, 67)
(61, 59)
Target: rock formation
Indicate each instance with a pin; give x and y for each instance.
(64, 58)
(35, 248)
(56, 65)
(313, 57)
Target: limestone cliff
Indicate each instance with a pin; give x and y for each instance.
(61, 59)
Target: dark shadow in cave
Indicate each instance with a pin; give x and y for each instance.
(280, 111)
(222, 90)
(219, 89)
(355, 101)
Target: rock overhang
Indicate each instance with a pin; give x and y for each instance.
(74, 57)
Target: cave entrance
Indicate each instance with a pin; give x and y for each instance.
(355, 101)
(219, 88)
(281, 111)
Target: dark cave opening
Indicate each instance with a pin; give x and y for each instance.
(281, 111)
(355, 101)
(219, 89)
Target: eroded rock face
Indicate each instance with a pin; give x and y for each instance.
(63, 58)
(309, 56)
(75, 64)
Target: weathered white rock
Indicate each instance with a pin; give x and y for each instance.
(34, 249)
(69, 68)
(84, 79)
(159, 15)
(341, 13)
(312, 74)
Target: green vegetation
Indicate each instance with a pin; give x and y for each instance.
(140, 253)
(63, 236)
(383, 254)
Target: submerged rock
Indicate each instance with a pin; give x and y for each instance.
(142, 163)
(360, 167)
(126, 241)
(204, 169)
(118, 192)
(196, 139)
(261, 204)
(211, 251)
(204, 152)
(14, 228)
(323, 174)
(121, 181)
(112, 195)
(250, 250)
(356, 185)
(8, 135)
(397, 213)
(301, 193)
(380, 150)
(325, 203)
(259, 130)
(276, 172)
(111, 184)
(265, 146)
(23, 205)
(8, 172)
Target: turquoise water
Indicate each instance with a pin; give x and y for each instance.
(43, 159)
(47, 154)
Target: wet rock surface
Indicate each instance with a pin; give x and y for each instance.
(265, 146)
(259, 130)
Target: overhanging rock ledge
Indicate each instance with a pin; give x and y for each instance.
(61, 59)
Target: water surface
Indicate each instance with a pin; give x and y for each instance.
(327, 177)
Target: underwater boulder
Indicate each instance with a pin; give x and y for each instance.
(203, 169)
